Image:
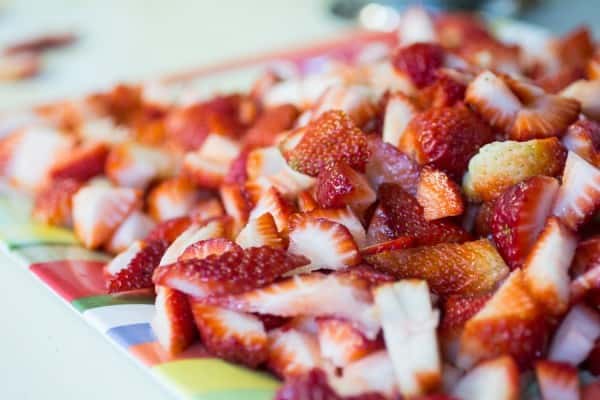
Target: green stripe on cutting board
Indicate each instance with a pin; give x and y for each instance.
(236, 394)
(20, 235)
(86, 303)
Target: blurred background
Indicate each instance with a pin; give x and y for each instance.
(104, 41)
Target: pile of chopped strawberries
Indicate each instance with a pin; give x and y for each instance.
(424, 224)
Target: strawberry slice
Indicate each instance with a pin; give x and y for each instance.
(341, 343)
(231, 335)
(269, 124)
(53, 204)
(557, 380)
(409, 330)
(207, 247)
(587, 94)
(206, 210)
(292, 352)
(327, 244)
(339, 185)
(399, 111)
(237, 204)
(173, 322)
(439, 196)
(172, 198)
(586, 268)
(137, 273)
(496, 379)
(98, 211)
(237, 172)
(483, 219)
(82, 163)
(169, 229)
(448, 90)
(511, 322)
(399, 214)
(331, 137)
(420, 61)
(232, 272)
(310, 385)
(273, 203)
(458, 309)
(315, 294)
(136, 226)
(518, 217)
(399, 243)
(579, 195)
(355, 100)
(208, 166)
(575, 336)
(194, 233)
(547, 267)
(389, 165)
(446, 137)
(306, 201)
(500, 165)
(260, 231)
(583, 138)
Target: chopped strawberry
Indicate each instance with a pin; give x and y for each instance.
(137, 274)
(169, 229)
(315, 294)
(327, 244)
(82, 163)
(591, 391)
(547, 266)
(409, 325)
(419, 61)
(446, 137)
(173, 322)
(341, 343)
(449, 268)
(134, 165)
(587, 95)
(366, 272)
(207, 247)
(583, 138)
(493, 54)
(387, 164)
(456, 28)
(232, 272)
(339, 185)
(330, 138)
(136, 226)
(206, 210)
(172, 198)
(272, 202)
(518, 217)
(311, 385)
(399, 111)
(208, 166)
(458, 309)
(292, 352)
(483, 219)
(399, 243)
(237, 172)
(343, 216)
(306, 201)
(557, 381)
(439, 196)
(355, 100)
(579, 195)
(586, 268)
(500, 165)
(231, 335)
(399, 214)
(54, 203)
(496, 379)
(511, 322)
(261, 231)
(237, 204)
(445, 92)
(575, 336)
(270, 123)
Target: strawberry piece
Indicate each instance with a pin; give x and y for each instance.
(193, 234)
(172, 198)
(445, 92)
(232, 272)
(208, 165)
(137, 274)
(439, 196)
(327, 244)
(343, 216)
(306, 201)
(136, 226)
(272, 202)
(579, 195)
(419, 61)
(399, 111)
(82, 163)
(366, 272)
(237, 172)
(586, 268)
(489, 53)
(583, 138)
(269, 124)
(511, 322)
(399, 243)
(316, 294)
(586, 94)
(207, 247)
(312, 385)
(260, 231)
(206, 210)
(483, 219)
(339, 185)
(53, 204)
(99, 210)
(500, 165)
(518, 216)
(547, 267)
(237, 204)
(173, 323)
(554, 82)
(399, 214)
(456, 28)
(341, 343)
(230, 335)
(135, 165)
(590, 391)
(355, 100)
(496, 379)
(389, 165)
(576, 335)
(409, 325)
(169, 229)
(331, 137)
(557, 381)
(449, 268)
(458, 309)
(446, 137)
(292, 352)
